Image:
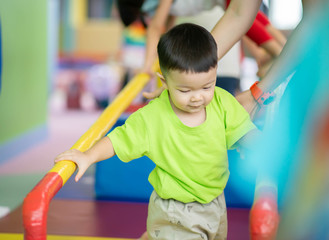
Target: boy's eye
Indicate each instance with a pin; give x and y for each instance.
(183, 91)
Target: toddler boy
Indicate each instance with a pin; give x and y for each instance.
(186, 132)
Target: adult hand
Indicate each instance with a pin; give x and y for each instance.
(263, 68)
(156, 93)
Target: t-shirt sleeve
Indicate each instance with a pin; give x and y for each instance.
(237, 120)
(130, 141)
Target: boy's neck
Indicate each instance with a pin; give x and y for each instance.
(189, 119)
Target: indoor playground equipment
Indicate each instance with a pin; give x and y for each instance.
(36, 203)
(306, 103)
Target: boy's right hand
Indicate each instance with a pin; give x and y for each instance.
(82, 160)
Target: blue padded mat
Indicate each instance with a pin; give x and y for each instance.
(119, 181)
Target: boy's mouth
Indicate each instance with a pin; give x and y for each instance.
(195, 106)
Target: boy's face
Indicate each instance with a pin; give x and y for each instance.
(190, 92)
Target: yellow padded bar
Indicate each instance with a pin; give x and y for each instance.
(104, 123)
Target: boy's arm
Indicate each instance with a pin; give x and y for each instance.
(102, 150)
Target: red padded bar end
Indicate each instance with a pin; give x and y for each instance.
(264, 218)
(35, 206)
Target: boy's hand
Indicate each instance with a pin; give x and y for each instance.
(82, 160)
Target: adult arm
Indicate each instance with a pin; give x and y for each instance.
(262, 57)
(251, 49)
(275, 33)
(235, 22)
(264, 42)
(259, 34)
(282, 67)
(265, 35)
(157, 26)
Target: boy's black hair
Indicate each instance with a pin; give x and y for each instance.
(130, 10)
(187, 48)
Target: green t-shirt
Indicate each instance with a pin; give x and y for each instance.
(191, 162)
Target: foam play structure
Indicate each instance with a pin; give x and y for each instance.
(36, 203)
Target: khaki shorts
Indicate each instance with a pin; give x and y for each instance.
(174, 220)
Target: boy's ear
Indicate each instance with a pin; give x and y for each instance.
(163, 80)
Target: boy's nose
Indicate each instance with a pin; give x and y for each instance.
(196, 97)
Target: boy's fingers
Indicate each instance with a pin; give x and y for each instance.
(63, 157)
(79, 174)
(67, 155)
(77, 178)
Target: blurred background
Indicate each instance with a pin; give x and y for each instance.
(62, 62)
(60, 56)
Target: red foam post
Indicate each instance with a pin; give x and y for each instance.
(264, 218)
(35, 206)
